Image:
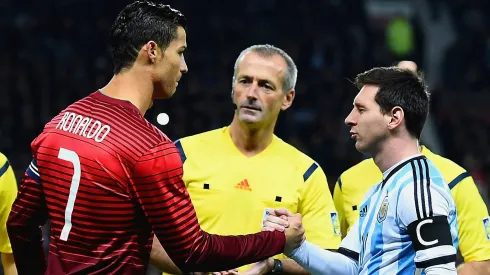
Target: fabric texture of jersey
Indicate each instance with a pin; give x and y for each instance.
(472, 214)
(8, 192)
(231, 191)
(411, 191)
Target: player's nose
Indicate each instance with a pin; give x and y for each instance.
(183, 66)
(349, 120)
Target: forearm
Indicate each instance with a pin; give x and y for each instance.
(8, 264)
(316, 260)
(227, 252)
(192, 249)
(292, 268)
(160, 259)
(474, 268)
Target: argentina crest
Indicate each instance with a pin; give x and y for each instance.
(383, 210)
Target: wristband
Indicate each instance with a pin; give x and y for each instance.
(278, 267)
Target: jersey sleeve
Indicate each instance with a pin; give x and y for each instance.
(316, 260)
(8, 192)
(320, 219)
(338, 199)
(351, 244)
(423, 211)
(28, 214)
(473, 220)
(156, 185)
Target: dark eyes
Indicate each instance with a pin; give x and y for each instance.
(262, 84)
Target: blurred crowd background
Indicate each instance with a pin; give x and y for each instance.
(56, 51)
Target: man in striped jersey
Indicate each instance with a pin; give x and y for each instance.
(407, 222)
(108, 179)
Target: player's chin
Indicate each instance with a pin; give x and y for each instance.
(165, 94)
(360, 146)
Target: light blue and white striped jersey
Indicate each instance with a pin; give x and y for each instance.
(407, 222)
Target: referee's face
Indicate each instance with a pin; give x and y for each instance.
(258, 89)
(368, 125)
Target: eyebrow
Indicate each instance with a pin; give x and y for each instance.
(260, 80)
(265, 81)
(359, 105)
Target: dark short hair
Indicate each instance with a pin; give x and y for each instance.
(403, 88)
(138, 23)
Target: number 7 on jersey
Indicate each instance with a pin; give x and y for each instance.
(72, 157)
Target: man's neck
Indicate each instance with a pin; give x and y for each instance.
(131, 86)
(395, 151)
(250, 141)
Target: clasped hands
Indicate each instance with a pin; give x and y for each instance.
(284, 221)
(277, 220)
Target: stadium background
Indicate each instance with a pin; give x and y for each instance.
(55, 52)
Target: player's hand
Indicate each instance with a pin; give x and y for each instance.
(295, 233)
(277, 219)
(282, 220)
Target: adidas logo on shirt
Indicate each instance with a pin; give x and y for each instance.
(363, 211)
(243, 185)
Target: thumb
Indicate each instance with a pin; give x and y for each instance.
(282, 212)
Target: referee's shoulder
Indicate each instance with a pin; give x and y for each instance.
(452, 172)
(363, 166)
(4, 172)
(4, 164)
(212, 136)
(199, 145)
(3, 159)
(303, 163)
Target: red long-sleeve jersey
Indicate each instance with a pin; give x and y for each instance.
(107, 179)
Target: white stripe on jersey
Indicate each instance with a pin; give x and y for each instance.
(34, 169)
(435, 252)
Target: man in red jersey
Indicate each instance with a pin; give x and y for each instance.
(107, 178)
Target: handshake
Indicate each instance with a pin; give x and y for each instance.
(282, 220)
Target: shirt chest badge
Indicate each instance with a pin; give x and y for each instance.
(383, 210)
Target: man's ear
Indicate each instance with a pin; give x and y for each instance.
(396, 117)
(152, 51)
(288, 100)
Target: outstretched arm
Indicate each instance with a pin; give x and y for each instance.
(315, 259)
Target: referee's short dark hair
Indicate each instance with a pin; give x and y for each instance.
(403, 88)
